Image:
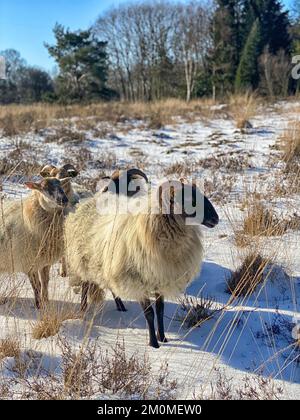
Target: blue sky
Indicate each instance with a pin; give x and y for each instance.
(26, 24)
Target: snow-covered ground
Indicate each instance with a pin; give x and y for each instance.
(247, 336)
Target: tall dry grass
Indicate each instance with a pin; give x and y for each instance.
(19, 119)
(253, 271)
(242, 108)
(290, 143)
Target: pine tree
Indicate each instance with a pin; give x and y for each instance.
(247, 73)
(82, 62)
(265, 26)
(274, 23)
(226, 36)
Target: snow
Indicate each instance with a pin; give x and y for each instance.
(244, 337)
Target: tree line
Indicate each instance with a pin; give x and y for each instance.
(153, 50)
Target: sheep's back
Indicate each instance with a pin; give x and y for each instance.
(115, 252)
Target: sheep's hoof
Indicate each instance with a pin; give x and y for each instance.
(162, 339)
(120, 305)
(154, 344)
(122, 309)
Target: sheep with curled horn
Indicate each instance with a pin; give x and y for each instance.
(119, 183)
(115, 183)
(151, 252)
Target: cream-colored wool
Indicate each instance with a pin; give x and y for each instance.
(30, 235)
(134, 255)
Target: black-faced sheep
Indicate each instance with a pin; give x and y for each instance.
(139, 254)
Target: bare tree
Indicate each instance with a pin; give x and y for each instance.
(275, 73)
(139, 47)
(192, 39)
(153, 46)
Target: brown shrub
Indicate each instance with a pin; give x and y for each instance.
(195, 310)
(9, 347)
(50, 322)
(254, 387)
(260, 221)
(253, 271)
(289, 144)
(65, 135)
(233, 163)
(242, 108)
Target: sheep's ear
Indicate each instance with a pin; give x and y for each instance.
(47, 171)
(71, 170)
(33, 186)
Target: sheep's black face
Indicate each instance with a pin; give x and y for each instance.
(188, 201)
(210, 217)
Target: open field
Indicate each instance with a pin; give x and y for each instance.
(234, 334)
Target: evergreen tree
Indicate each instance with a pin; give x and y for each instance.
(82, 62)
(247, 73)
(274, 22)
(226, 38)
(241, 30)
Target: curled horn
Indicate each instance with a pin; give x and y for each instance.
(131, 174)
(48, 171)
(69, 170)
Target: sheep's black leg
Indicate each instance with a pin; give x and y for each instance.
(84, 296)
(119, 303)
(149, 315)
(160, 306)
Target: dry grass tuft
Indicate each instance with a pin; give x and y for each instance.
(260, 221)
(158, 119)
(253, 271)
(289, 144)
(195, 310)
(242, 108)
(184, 169)
(253, 387)
(227, 163)
(16, 163)
(220, 186)
(88, 372)
(9, 347)
(50, 322)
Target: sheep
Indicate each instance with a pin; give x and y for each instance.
(65, 171)
(138, 254)
(31, 234)
(116, 178)
(119, 182)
